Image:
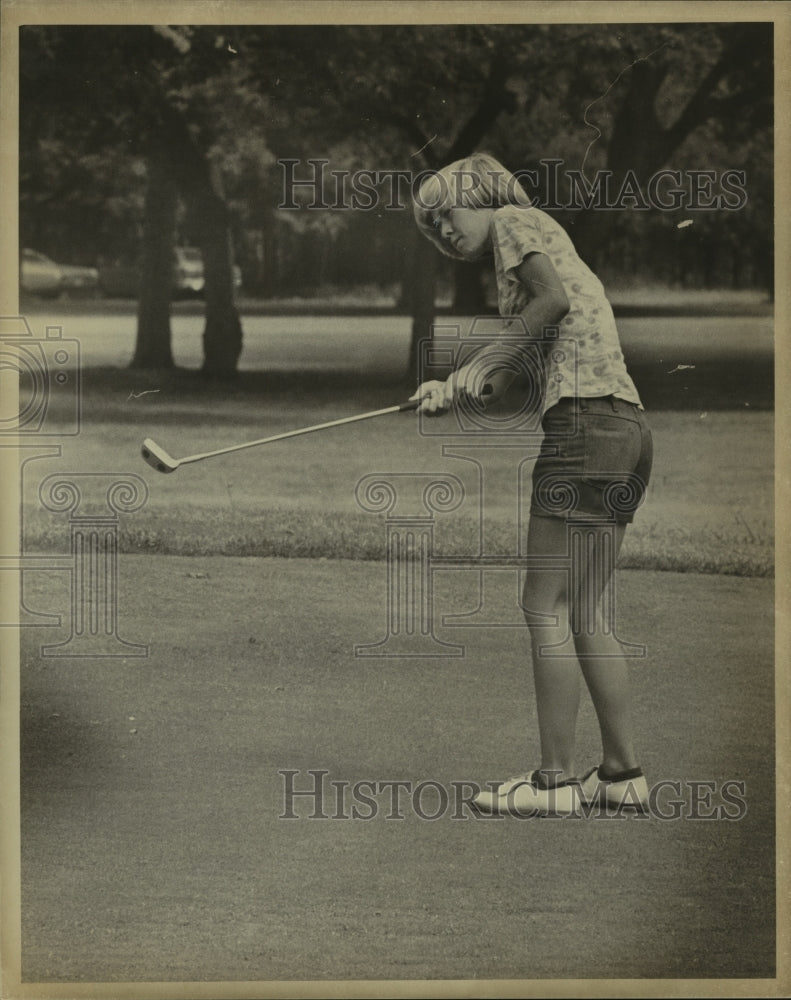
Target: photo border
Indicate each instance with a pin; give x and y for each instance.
(17, 12)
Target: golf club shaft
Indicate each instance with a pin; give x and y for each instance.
(410, 405)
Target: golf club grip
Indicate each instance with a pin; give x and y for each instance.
(412, 404)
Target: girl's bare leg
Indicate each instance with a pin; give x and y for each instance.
(556, 677)
(604, 666)
(550, 608)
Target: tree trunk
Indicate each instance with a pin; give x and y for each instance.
(222, 334)
(267, 277)
(641, 144)
(176, 163)
(153, 346)
(421, 304)
(495, 98)
(469, 290)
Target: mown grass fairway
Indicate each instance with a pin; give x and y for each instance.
(154, 843)
(709, 508)
(153, 847)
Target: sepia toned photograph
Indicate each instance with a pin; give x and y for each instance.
(390, 499)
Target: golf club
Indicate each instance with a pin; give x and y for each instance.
(159, 459)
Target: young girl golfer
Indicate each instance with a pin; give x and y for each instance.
(596, 440)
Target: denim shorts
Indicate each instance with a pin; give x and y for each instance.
(595, 460)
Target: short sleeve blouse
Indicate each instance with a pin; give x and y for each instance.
(586, 360)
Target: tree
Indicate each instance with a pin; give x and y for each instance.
(211, 112)
(427, 94)
(153, 345)
(71, 81)
(647, 94)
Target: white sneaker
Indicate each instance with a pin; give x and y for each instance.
(525, 796)
(627, 790)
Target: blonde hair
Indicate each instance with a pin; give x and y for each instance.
(477, 181)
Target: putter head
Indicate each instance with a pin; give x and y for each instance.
(157, 457)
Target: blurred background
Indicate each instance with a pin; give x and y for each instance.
(152, 162)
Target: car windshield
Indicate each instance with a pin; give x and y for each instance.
(190, 253)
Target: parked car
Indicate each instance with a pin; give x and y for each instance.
(75, 280)
(123, 280)
(187, 271)
(41, 276)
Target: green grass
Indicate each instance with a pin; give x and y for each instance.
(294, 533)
(706, 550)
(709, 507)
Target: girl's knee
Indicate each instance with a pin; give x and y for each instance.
(544, 610)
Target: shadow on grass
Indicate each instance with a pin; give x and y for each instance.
(178, 394)
(107, 392)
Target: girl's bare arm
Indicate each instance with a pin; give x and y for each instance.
(490, 367)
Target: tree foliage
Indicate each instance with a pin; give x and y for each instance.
(214, 111)
(95, 116)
